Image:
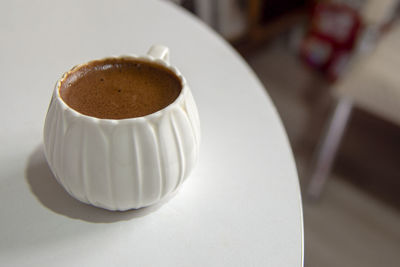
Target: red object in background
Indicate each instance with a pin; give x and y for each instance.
(331, 38)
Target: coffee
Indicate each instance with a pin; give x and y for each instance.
(120, 88)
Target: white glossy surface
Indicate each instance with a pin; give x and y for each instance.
(123, 164)
(240, 207)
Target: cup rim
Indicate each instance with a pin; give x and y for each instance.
(145, 58)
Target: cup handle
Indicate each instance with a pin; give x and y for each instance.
(160, 52)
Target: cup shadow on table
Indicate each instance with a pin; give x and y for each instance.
(53, 196)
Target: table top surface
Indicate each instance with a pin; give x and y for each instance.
(240, 207)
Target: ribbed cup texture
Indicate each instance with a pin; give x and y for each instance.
(122, 164)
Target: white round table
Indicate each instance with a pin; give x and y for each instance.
(240, 207)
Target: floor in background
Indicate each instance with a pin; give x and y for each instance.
(356, 222)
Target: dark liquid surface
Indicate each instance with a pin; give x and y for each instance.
(120, 88)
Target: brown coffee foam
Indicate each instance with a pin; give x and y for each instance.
(119, 88)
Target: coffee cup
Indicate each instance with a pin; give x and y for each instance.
(129, 161)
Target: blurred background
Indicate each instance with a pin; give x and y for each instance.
(332, 68)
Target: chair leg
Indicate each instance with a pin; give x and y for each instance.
(326, 151)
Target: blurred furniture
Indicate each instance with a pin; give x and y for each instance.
(241, 206)
(373, 84)
(331, 38)
(225, 16)
(247, 24)
(266, 18)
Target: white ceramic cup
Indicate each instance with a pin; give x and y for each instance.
(127, 163)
